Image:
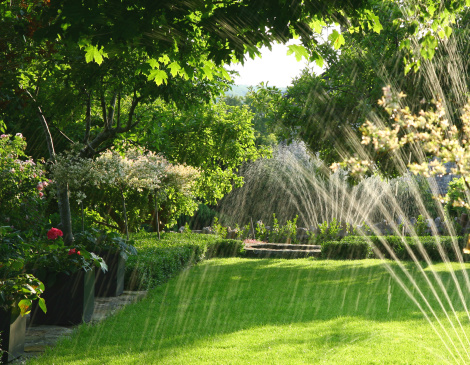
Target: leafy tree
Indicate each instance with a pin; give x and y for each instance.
(327, 110)
(142, 51)
(263, 102)
(215, 138)
(428, 131)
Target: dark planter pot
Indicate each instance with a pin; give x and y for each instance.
(12, 336)
(69, 299)
(111, 283)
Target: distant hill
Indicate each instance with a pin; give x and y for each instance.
(241, 90)
(238, 90)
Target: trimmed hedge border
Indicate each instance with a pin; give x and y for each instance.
(358, 247)
(159, 260)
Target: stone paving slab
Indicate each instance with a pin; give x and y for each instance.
(281, 250)
(38, 338)
(282, 254)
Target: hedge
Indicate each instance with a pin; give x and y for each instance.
(159, 260)
(359, 247)
(346, 250)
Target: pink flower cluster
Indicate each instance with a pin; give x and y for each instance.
(41, 186)
(249, 240)
(53, 233)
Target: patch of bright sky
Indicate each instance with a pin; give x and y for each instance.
(274, 67)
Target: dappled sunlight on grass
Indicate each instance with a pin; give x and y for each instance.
(276, 311)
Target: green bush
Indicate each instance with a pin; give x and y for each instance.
(346, 250)
(327, 232)
(159, 260)
(455, 192)
(358, 247)
(277, 233)
(225, 248)
(419, 245)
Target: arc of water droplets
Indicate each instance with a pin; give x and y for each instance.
(431, 286)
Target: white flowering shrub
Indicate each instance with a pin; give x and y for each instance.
(137, 176)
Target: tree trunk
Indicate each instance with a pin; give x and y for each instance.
(64, 210)
(62, 190)
(125, 214)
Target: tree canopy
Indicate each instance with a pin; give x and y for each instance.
(86, 70)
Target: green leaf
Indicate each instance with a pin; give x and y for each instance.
(174, 68)
(428, 46)
(317, 25)
(153, 63)
(406, 43)
(447, 31)
(208, 72)
(24, 306)
(225, 74)
(374, 19)
(336, 38)
(42, 305)
(299, 51)
(92, 53)
(408, 67)
(159, 76)
(164, 59)
(317, 58)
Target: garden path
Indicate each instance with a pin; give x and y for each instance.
(38, 338)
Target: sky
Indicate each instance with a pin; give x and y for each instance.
(274, 67)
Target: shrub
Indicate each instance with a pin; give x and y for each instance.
(419, 245)
(275, 234)
(456, 192)
(159, 260)
(327, 232)
(421, 226)
(354, 247)
(346, 250)
(225, 248)
(23, 186)
(219, 230)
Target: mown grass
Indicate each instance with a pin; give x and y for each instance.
(240, 311)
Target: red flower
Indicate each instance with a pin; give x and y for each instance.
(53, 233)
(74, 251)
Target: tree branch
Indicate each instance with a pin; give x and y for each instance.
(63, 134)
(106, 224)
(88, 120)
(103, 109)
(118, 124)
(45, 126)
(111, 111)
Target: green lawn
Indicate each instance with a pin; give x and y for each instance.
(240, 311)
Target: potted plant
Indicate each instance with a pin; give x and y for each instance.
(68, 274)
(18, 290)
(115, 251)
